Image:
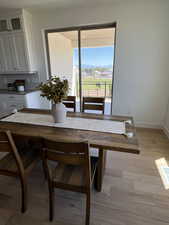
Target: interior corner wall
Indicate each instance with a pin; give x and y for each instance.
(166, 122)
(142, 53)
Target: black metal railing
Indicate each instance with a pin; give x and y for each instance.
(98, 89)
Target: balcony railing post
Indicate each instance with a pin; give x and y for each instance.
(105, 89)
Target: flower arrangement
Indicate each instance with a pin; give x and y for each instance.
(55, 89)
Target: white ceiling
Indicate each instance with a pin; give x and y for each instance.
(49, 4)
(89, 38)
(107, 33)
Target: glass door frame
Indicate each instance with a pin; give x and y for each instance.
(79, 29)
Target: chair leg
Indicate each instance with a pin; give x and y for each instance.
(44, 170)
(51, 202)
(88, 208)
(23, 195)
(100, 169)
(96, 180)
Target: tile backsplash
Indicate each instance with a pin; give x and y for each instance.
(31, 80)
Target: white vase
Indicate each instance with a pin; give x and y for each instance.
(59, 112)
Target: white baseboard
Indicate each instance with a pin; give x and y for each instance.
(148, 125)
(166, 131)
(153, 126)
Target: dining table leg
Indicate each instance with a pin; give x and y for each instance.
(101, 169)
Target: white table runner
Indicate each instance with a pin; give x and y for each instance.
(108, 126)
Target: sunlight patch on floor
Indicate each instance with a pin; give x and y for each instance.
(163, 170)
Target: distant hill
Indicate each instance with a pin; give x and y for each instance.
(86, 66)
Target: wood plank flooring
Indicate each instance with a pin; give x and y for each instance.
(133, 192)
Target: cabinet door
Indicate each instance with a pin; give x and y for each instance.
(9, 52)
(3, 24)
(20, 51)
(14, 106)
(15, 23)
(2, 57)
(9, 102)
(13, 51)
(3, 106)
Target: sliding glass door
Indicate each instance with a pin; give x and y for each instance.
(97, 57)
(84, 56)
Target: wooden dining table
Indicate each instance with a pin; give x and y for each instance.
(103, 141)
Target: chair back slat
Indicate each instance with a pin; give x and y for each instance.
(93, 99)
(93, 103)
(67, 153)
(65, 147)
(70, 102)
(4, 142)
(70, 98)
(71, 159)
(93, 107)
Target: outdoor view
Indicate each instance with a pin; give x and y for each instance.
(96, 70)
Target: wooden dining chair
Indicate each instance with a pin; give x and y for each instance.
(96, 104)
(16, 163)
(70, 102)
(93, 103)
(75, 170)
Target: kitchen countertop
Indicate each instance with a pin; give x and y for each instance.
(5, 91)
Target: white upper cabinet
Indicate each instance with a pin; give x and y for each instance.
(17, 48)
(9, 60)
(13, 51)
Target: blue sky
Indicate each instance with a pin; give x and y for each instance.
(100, 56)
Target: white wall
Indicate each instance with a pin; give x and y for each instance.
(61, 57)
(141, 69)
(166, 121)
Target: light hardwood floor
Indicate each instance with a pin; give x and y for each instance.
(133, 193)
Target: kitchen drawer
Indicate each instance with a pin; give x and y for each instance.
(12, 106)
(3, 106)
(15, 102)
(12, 98)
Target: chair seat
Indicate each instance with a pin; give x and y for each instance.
(71, 175)
(8, 163)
